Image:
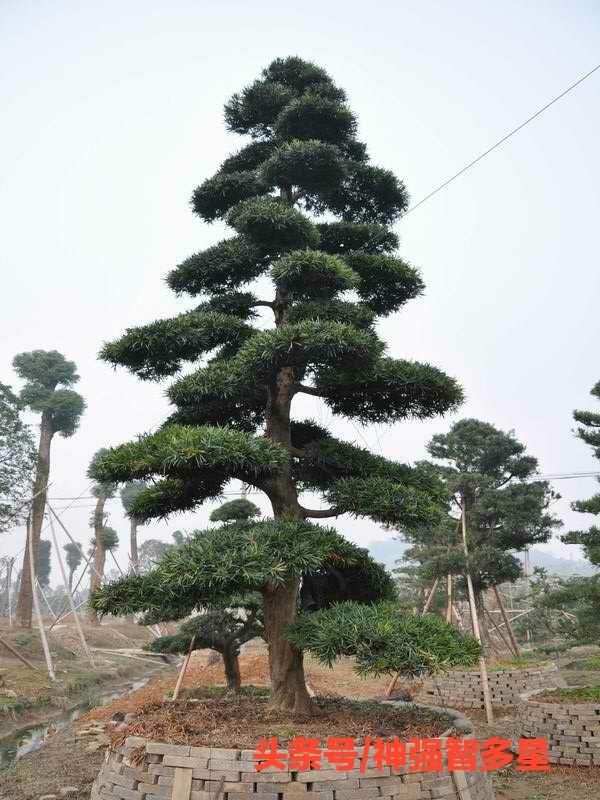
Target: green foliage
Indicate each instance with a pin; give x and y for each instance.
(580, 598)
(345, 237)
(129, 494)
(367, 194)
(17, 460)
(315, 117)
(310, 274)
(384, 639)
(385, 283)
(217, 195)
(109, 538)
(43, 565)
(240, 510)
(74, 556)
(44, 372)
(273, 225)
(310, 166)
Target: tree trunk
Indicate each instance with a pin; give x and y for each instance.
(231, 663)
(133, 548)
(288, 686)
(99, 554)
(25, 600)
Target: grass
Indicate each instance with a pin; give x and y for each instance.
(591, 693)
(591, 663)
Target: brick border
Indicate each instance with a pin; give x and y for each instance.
(148, 770)
(572, 729)
(463, 689)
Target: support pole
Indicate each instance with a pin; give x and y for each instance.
(487, 700)
(18, 655)
(449, 598)
(183, 669)
(498, 631)
(66, 605)
(9, 568)
(36, 605)
(89, 561)
(63, 572)
(45, 599)
(511, 633)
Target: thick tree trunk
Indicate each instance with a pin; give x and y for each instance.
(99, 554)
(288, 686)
(25, 600)
(231, 663)
(133, 548)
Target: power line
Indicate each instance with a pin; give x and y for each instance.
(503, 139)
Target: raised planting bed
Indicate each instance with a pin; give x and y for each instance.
(179, 751)
(463, 688)
(568, 718)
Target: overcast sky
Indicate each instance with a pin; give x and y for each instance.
(112, 114)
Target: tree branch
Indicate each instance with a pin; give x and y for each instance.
(321, 513)
(301, 387)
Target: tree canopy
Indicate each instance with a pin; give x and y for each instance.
(17, 460)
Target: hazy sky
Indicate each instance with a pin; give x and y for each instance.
(112, 114)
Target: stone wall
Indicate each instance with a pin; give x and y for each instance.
(463, 689)
(572, 729)
(145, 770)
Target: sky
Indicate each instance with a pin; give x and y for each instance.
(112, 114)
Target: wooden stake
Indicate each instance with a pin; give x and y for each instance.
(63, 572)
(36, 605)
(487, 700)
(449, 598)
(12, 650)
(498, 631)
(511, 633)
(183, 669)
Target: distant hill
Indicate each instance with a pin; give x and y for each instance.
(389, 551)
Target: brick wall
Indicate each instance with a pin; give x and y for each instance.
(572, 730)
(145, 770)
(463, 689)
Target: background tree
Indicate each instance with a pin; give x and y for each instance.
(232, 415)
(102, 491)
(43, 565)
(74, 557)
(222, 629)
(489, 474)
(17, 461)
(129, 493)
(47, 376)
(235, 511)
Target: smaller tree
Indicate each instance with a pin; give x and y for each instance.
(74, 557)
(43, 565)
(102, 491)
(48, 376)
(17, 460)
(222, 629)
(129, 494)
(240, 510)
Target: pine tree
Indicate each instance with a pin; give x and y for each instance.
(47, 376)
(489, 473)
(129, 492)
(589, 432)
(43, 565)
(102, 491)
(232, 415)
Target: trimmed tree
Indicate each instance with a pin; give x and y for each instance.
(47, 376)
(102, 491)
(488, 472)
(235, 511)
(74, 557)
(17, 460)
(232, 416)
(129, 493)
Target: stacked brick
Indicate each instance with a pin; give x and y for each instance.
(572, 730)
(463, 689)
(145, 770)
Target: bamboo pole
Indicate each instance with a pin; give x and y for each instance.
(511, 633)
(487, 700)
(36, 605)
(89, 561)
(449, 598)
(18, 655)
(45, 599)
(183, 669)
(63, 572)
(498, 631)
(63, 612)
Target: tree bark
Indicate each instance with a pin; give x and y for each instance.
(288, 685)
(25, 600)
(133, 548)
(99, 554)
(231, 663)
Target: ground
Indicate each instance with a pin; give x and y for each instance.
(66, 759)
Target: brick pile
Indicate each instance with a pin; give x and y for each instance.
(145, 770)
(463, 689)
(572, 729)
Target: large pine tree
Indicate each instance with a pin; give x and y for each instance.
(322, 285)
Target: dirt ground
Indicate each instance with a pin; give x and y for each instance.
(65, 759)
